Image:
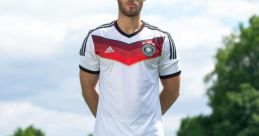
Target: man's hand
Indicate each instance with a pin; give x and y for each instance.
(169, 93)
(88, 82)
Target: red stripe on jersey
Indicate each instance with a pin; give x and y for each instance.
(126, 53)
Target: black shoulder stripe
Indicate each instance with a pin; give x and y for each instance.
(172, 45)
(170, 41)
(106, 25)
(155, 28)
(173, 48)
(82, 50)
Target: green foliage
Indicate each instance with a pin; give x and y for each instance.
(234, 94)
(29, 131)
(199, 126)
(237, 63)
(246, 102)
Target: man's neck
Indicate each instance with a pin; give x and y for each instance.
(129, 25)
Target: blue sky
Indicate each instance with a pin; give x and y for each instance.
(40, 41)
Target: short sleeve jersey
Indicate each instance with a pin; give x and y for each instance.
(129, 68)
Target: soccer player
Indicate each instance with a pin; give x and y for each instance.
(128, 56)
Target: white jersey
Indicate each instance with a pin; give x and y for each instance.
(129, 67)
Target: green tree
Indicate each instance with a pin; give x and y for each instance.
(234, 92)
(29, 131)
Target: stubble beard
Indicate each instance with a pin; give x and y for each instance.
(130, 13)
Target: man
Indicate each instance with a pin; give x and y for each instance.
(128, 56)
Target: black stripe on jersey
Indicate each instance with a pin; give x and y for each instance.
(82, 50)
(172, 45)
(171, 75)
(88, 71)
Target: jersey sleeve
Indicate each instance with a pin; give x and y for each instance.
(169, 65)
(89, 61)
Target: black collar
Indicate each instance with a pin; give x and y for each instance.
(129, 35)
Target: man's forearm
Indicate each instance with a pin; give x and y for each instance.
(91, 97)
(167, 98)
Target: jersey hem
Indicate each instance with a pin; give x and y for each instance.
(171, 75)
(88, 71)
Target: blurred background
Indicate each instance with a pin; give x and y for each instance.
(39, 57)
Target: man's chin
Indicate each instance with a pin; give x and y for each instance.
(131, 14)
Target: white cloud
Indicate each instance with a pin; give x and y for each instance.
(171, 124)
(23, 36)
(175, 3)
(192, 32)
(29, 37)
(193, 75)
(198, 32)
(232, 9)
(57, 9)
(53, 123)
(40, 28)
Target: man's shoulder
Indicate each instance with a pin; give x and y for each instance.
(157, 29)
(102, 27)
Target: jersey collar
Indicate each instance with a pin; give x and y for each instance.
(129, 35)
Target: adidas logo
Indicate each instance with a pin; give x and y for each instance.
(109, 50)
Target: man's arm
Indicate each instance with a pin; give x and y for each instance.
(169, 93)
(88, 82)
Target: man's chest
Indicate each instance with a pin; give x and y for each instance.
(128, 53)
